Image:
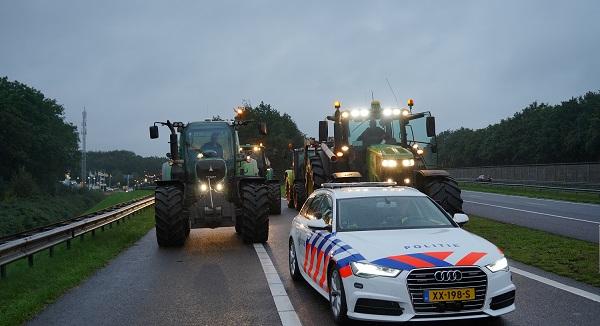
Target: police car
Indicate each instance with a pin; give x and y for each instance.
(385, 253)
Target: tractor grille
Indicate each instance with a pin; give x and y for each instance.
(423, 279)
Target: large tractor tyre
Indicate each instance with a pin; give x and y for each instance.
(445, 192)
(299, 195)
(255, 212)
(315, 174)
(274, 198)
(172, 227)
(289, 195)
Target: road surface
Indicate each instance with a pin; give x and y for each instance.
(215, 279)
(575, 220)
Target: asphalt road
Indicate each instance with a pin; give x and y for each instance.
(216, 280)
(576, 220)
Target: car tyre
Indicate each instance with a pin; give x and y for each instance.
(293, 262)
(337, 297)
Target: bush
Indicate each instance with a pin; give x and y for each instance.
(22, 184)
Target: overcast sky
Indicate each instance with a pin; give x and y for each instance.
(134, 62)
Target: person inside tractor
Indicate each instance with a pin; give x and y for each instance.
(372, 135)
(213, 145)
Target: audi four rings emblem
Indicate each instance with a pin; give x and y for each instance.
(444, 276)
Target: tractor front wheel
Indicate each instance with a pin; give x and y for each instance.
(172, 227)
(445, 191)
(255, 212)
(299, 195)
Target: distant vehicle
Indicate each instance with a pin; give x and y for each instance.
(483, 178)
(383, 253)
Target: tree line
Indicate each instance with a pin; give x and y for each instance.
(540, 133)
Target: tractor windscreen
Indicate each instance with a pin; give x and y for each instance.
(416, 133)
(373, 131)
(212, 139)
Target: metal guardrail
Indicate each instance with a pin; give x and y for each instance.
(26, 244)
(596, 191)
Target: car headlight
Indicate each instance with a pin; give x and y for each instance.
(410, 162)
(368, 270)
(499, 265)
(389, 163)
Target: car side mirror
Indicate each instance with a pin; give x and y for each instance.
(262, 128)
(318, 224)
(430, 126)
(153, 132)
(323, 131)
(460, 219)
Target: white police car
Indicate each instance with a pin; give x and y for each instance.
(386, 253)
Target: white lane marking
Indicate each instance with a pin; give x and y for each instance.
(558, 285)
(533, 212)
(286, 311)
(536, 204)
(544, 199)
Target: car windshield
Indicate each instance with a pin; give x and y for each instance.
(389, 213)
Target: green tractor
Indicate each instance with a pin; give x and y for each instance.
(385, 145)
(258, 164)
(204, 185)
(295, 189)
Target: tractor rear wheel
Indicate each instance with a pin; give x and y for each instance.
(255, 212)
(299, 195)
(315, 174)
(172, 227)
(445, 191)
(274, 198)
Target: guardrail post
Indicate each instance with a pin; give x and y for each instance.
(68, 244)
(51, 251)
(93, 232)
(30, 260)
(81, 237)
(2, 271)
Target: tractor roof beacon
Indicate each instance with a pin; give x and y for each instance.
(203, 185)
(381, 144)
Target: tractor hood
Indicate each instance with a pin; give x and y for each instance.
(390, 152)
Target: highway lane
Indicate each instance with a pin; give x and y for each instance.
(214, 279)
(217, 280)
(576, 220)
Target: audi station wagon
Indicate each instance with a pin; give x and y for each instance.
(379, 252)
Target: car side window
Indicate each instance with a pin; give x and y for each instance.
(306, 206)
(326, 209)
(313, 208)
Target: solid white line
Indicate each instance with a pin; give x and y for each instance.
(533, 212)
(558, 285)
(544, 199)
(286, 311)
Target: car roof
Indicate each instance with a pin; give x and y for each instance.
(361, 192)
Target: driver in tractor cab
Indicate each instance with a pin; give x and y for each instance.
(213, 145)
(372, 135)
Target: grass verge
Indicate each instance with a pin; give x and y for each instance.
(119, 197)
(576, 259)
(26, 291)
(579, 197)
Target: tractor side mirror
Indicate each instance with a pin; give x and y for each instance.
(433, 148)
(153, 132)
(323, 131)
(430, 126)
(262, 128)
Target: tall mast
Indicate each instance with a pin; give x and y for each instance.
(83, 148)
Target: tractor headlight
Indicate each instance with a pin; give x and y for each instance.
(499, 265)
(368, 270)
(364, 113)
(407, 181)
(203, 187)
(355, 113)
(345, 115)
(345, 148)
(387, 112)
(200, 156)
(219, 186)
(407, 163)
(389, 163)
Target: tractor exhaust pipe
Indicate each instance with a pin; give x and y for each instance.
(328, 152)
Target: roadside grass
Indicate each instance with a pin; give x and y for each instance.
(576, 259)
(119, 197)
(27, 290)
(580, 197)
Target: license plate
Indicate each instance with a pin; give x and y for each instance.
(444, 295)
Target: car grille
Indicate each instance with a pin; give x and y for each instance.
(422, 279)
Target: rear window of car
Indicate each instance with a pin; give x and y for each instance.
(389, 213)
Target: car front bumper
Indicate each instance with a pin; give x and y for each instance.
(393, 293)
